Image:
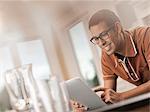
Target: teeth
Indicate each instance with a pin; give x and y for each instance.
(107, 48)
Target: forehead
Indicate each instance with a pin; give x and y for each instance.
(97, 29)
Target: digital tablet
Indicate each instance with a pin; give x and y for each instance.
(80, 92)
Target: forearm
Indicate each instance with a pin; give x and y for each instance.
(144, 88)
(110, 84)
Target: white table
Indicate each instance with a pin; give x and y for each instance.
(135, 103)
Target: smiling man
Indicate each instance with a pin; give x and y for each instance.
(125, 54)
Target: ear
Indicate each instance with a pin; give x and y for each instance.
(118, 27)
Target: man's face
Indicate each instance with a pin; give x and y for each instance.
(108, 40)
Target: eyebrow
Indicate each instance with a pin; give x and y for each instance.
(100, 33)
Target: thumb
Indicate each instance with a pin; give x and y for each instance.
(99, 89)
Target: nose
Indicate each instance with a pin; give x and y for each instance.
(101, 42)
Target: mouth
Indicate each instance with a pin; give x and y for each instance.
(107, 47)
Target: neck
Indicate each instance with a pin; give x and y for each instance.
(121, 48)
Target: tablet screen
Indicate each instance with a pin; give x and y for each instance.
(80, 92)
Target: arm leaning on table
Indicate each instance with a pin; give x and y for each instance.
(111, 96)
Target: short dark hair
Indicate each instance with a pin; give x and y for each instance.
(103, 15)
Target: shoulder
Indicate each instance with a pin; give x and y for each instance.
(139, 35)
(139, 32)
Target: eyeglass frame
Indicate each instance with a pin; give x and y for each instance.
(102, 35)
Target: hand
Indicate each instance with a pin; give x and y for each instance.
(77, 107)
(109, 96)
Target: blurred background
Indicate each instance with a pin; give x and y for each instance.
(53, 35)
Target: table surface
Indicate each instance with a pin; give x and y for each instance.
(138, 104)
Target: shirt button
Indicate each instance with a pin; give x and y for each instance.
(132, 74)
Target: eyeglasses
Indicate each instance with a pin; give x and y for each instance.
(102, 36)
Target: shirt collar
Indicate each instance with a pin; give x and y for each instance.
(130, 50)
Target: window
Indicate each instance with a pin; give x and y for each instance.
(33, 52)
(83, 54)
(6, 63)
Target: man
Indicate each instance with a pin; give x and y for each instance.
(124, 53)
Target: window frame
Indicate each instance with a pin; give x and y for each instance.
(96, 57)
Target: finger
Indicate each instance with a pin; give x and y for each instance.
(76, 103)
(99, 89)
(83, 109)
(77, 106)
(72, 103)
(110, 94)
(115, 98)
(109, 101)
(102, 95)
(103, 99)
(80, 106)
